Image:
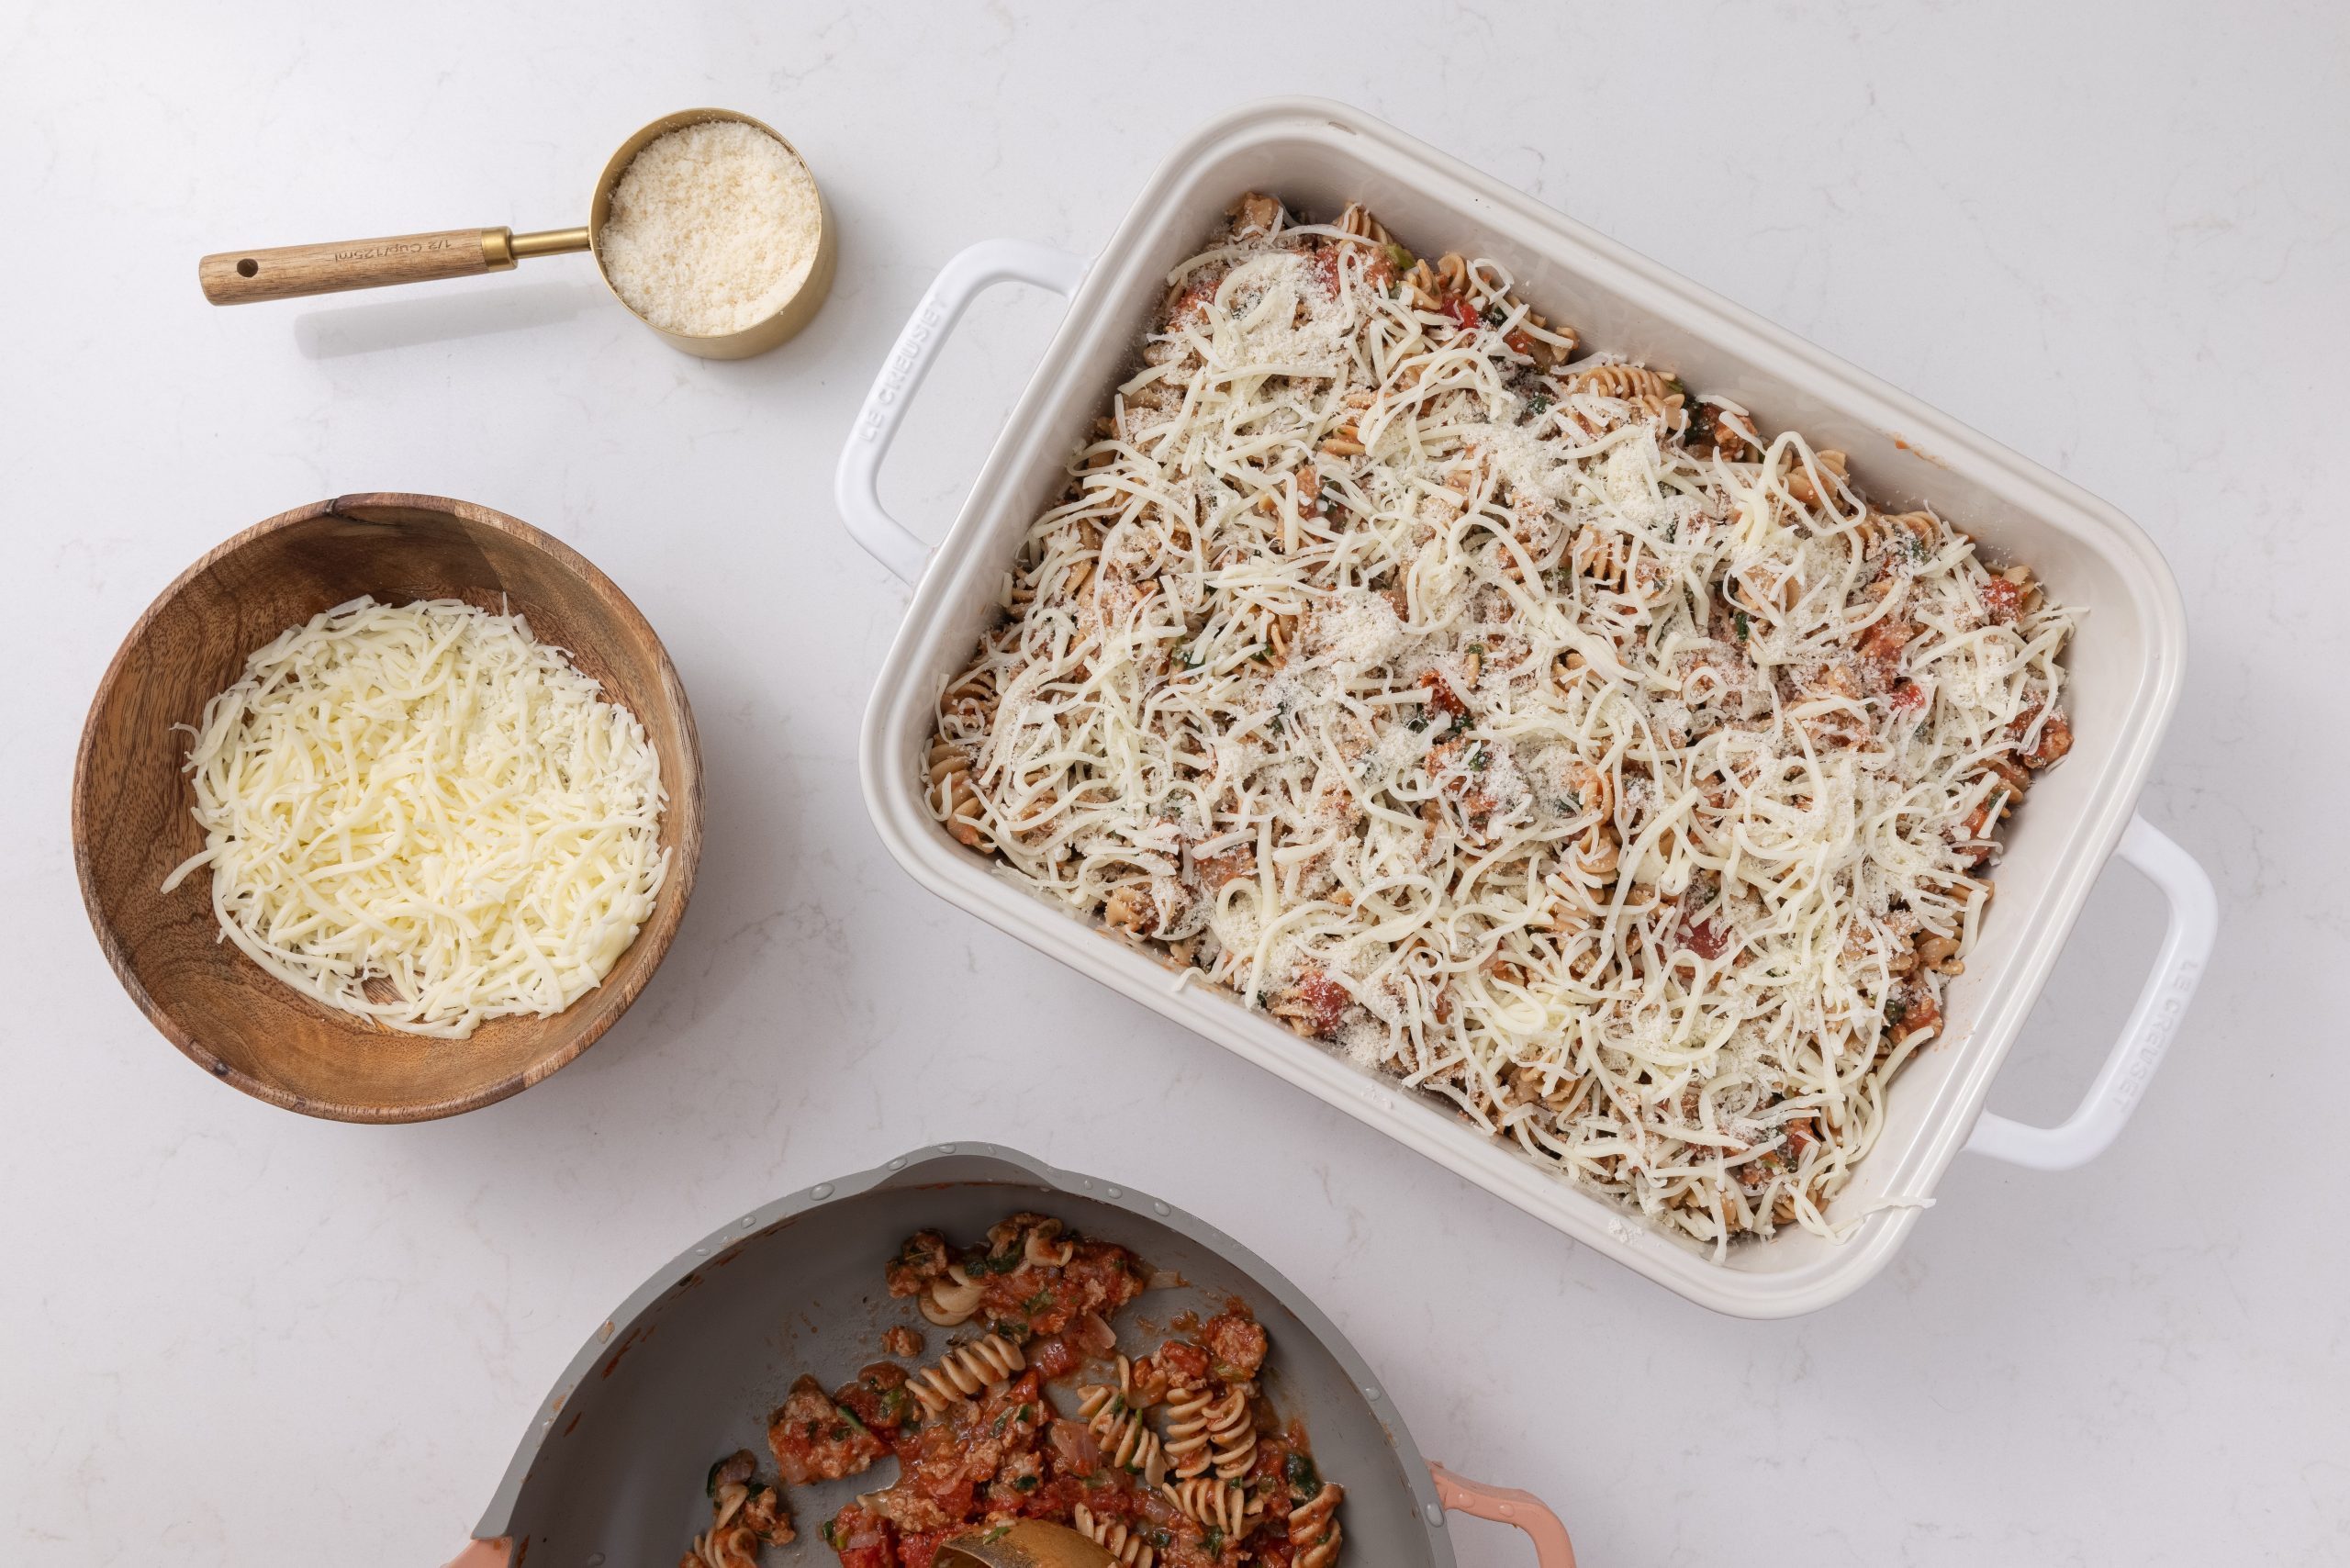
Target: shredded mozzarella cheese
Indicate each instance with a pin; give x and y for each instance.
(1528, 730)
(424, 816)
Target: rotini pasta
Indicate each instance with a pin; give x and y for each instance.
(1212, 1502)
(951, 1301)
(980, 1436)
(1126, 1440)
(745, 1516)
(1530, 729)
(1188, 1449)
(1232, 1434)
(1314, 1531)
(967, 1371)
(1124, 1544)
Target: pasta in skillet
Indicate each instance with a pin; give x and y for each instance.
(1529, 728)
(982, 1436)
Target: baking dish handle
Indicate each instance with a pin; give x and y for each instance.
(1509, 1506)
(2090, 1130)
(857, 486)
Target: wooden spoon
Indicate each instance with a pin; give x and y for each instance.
(1025, 1543)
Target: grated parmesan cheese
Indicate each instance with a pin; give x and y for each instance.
(425, 816)
(713, 227)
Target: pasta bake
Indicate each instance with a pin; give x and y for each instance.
(1517, 720)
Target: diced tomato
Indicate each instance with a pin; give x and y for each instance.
(1442, 700)
(1055, 1498)
(1275, 1553)
(2055, 740)
(1519, 343)
(1881, 652)
(861, 1537)
(1908, 697)
(1911, 1010)
(1462, 312)
(921, 1551)
(1183, 1361)
(1709, 938)
(1193, 301)
(1325, 269)
(1054, 1357)
(1325, 1000)
(2004, 599)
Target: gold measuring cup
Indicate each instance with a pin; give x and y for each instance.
(288, 272)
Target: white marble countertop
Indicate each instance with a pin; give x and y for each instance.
(239, 1336)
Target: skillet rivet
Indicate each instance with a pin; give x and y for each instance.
(1162, 1209)
(897, 1165)
(821, 1190)
(1114, 1192)
(1435, 1514)
(945, 1148)
(1371, 1393)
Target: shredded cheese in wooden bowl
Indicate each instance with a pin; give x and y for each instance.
(422, 815)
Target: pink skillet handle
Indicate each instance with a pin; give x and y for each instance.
(1508, 1506)
(483, 1554)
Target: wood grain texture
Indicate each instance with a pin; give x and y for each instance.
(288, 272)
(132, 805)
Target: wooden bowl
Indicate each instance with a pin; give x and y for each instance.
(132, 805)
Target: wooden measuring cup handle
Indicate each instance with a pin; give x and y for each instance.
(239, 277)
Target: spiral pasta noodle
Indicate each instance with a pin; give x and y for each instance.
(950, 1302)
(1124, 1545)
(952, 796)
(967, 1371)
(1231, 1434)
(1189, 1451)
(1126, 1440)
(1211, 1502)
(744, 1516)
(1314, 1531)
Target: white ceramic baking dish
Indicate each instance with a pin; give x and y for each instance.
(2126, 664)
